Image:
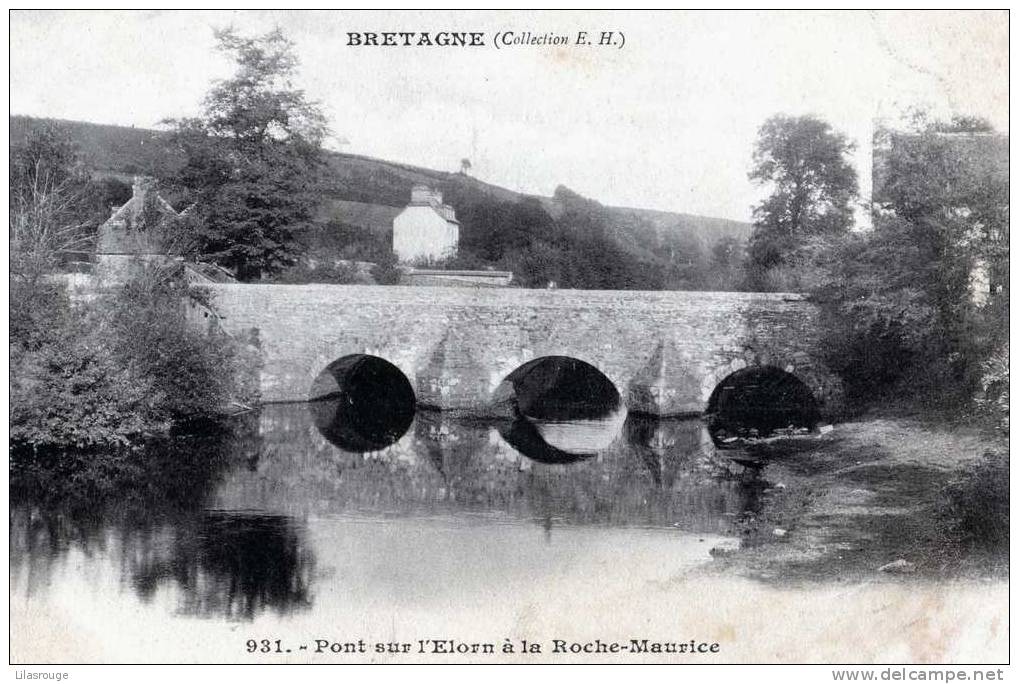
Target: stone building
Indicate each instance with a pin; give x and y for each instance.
(138, 233)
(135, 233)
(426, 229)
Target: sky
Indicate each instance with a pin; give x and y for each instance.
(666, 122)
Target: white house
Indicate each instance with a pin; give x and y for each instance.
(426, 229)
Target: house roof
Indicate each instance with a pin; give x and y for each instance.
(207, 272)
(122, 232)
(437, 210)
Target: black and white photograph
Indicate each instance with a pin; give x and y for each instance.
(509, 337)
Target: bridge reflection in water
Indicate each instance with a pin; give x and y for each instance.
(620, 470)
(304, 516)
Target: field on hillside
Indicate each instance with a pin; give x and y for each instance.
(566, 238)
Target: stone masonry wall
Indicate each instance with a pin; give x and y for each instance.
(665, 351)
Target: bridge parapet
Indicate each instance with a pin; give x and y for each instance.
(664, 351)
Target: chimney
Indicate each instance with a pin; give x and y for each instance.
(141, 185)
(424, 195)
(421, 194)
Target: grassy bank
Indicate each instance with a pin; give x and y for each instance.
(874, 492)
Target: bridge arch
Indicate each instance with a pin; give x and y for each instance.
(820, 382)
(763, 398)
(360, 372)
(361, 402)
(554, 386)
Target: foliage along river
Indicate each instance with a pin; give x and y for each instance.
(289, 522)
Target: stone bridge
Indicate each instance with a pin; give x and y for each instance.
(665, 352)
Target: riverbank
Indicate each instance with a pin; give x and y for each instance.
(871, 494)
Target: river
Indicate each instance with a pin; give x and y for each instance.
(281, 522)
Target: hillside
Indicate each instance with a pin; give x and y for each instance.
(500, 227)
(117, 150)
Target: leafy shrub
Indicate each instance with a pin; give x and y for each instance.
(37, 313)
(191, 372)
(977, 503)
(387, 271)
(111, 371)
(335, 274)
(73, 391)
(896, 316)
(992, 401)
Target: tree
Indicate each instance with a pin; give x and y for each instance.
(54, 204)
(962, 124)
(47, 158)
(726, 266)
(813, 189)
(727, 253)
(465, 166)
(897, 302)
(253, 159)
(45, 224)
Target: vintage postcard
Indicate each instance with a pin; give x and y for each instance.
(510, 337)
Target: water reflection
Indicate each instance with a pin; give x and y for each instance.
(448, 443)
(564, 410)
(446, 466)
(525, 436)
(360, 427)
(562, 441)
(144, 517)
(244, 527)
(231, 564)
(671, 447)
(217, 564)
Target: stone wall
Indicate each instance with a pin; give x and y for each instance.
(430, 278)
(664, 351)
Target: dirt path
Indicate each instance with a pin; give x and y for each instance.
(837, 507)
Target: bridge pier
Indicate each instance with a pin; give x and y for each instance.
(451, 379)
(665, 386)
